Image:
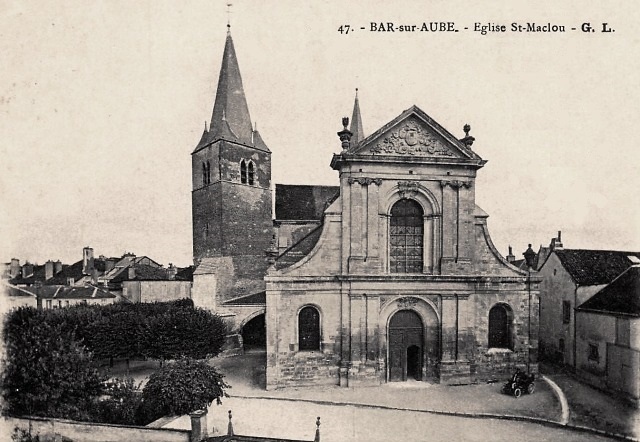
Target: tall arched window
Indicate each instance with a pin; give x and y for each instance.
(406, 237)
(251, 173)
(309, 329)
(208, 172)
(204, 174)
(500, 320)
(243, 172)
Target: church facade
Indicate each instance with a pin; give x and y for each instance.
(390, 276)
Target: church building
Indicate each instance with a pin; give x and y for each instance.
(390, 276)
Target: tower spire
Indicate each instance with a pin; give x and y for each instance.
(230, 103)
(356, 123)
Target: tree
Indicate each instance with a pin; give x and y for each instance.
(183, 387)
(48, 372)
(186, 332)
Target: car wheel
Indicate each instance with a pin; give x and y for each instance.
(517, 392)
(531, 388)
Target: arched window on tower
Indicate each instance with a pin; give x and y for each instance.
(406, 237)
(208, 172)
(309, 329)
(243, 172)
(500, 324)
(251, 173)
(204, 174)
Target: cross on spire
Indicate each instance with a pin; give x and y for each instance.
(229, 16)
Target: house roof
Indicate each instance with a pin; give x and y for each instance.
(297, 202)
(298, 250)
(622, 296)
(259, 298)
(69, 271)
(185, 273)
(38, 274)
(62, 292)
(594, 267)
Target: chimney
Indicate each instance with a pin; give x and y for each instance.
(87, 260)
(14, 269)
(132, 272)
(58, 267)
(48, 270)
(198, 425)
(559, 241)
(171, 272)
(27, 270)
(510, 257)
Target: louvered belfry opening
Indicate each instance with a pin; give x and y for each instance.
(406, 237)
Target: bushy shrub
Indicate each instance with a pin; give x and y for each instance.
(122, 404)
(20, 435)
(48, 372)
(183, 387)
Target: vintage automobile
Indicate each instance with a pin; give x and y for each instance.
(520, 383)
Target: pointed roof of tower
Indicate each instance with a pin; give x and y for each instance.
(356, 123)
(230, 110)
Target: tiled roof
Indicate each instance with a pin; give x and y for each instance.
(70, 271)
(259, 298)
(593, 267)
(38, 274)
(295, 202)
(185, 274)
(622, 296)
(300, 249)
(62, 292)
(12, 290)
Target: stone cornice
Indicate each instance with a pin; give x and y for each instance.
(456, 184)
(365, 181)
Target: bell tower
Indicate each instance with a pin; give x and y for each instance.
(231, 176)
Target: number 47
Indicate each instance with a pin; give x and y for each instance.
(344, 29)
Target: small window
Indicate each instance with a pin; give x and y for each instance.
(555, 271)
(309, 329)
(243, 172)
(66, 303)
(49, 303)
(566, 312)
(593, 352)
(251, 173)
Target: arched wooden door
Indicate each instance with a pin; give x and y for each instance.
(406, 346)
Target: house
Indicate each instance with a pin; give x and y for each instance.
(389, 276)
(608, 336)
(57, 296)
(570, 277)
(129, 278)
(15, 296)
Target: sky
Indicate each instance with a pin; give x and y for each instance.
(102, 102)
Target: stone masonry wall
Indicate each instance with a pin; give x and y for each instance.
(294, 367)
(492, 363)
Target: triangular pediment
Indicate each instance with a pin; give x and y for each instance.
(414, 134)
